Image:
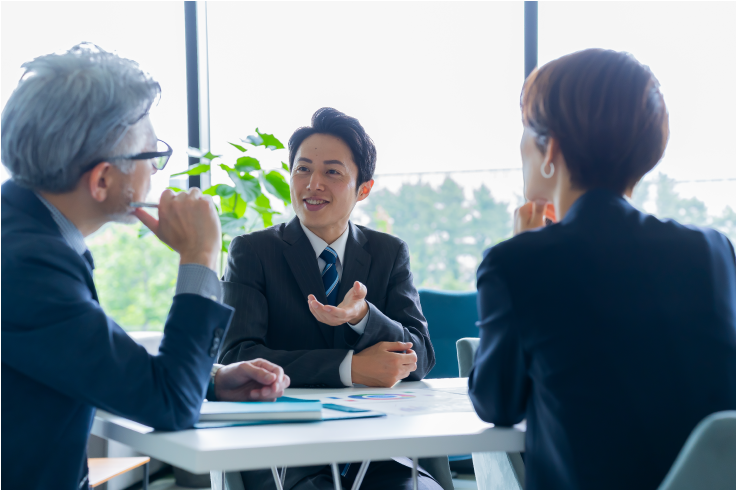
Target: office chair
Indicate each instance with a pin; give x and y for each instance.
(497, 470)
(708, 458)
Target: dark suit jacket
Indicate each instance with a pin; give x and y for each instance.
(271, 272)
(62, 357)
(613, 333)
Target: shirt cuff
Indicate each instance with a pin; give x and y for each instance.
(360, 326)
(199, 279)
(346, 369)
(211, 385)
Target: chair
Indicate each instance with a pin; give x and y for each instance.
(104, 469)
(708, 458)
(451, 315)
(493, 471)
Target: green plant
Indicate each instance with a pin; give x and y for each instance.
(245, 205)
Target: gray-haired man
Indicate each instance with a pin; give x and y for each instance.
(78, 143)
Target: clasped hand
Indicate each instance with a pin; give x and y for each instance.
(257, 380)
(352, 309)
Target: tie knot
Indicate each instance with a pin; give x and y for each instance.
(328, 255)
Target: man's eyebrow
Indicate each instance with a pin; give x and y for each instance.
(333, 162)
(306, 160)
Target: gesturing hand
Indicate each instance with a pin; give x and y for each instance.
(188, 223)
(384, 364)
(257, 380)
(352, 309)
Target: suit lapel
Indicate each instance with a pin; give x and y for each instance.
(303, 263)
(357, 262)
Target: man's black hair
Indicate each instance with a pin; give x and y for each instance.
(333, 122)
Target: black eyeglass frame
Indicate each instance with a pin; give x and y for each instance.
(140, 156)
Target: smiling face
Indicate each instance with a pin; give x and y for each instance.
(324, 185)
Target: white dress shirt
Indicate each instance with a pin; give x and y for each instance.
(339, 247)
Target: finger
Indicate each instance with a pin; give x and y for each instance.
(537, 218)
(409, 358)
(360, 290)
(257, 373)
(398, 346)
(148, 220)
(269, 366)
(195, 192)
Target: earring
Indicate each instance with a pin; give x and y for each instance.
(551, 171)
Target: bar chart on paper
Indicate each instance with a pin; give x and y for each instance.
(398, 401)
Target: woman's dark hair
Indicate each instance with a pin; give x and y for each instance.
(607, 113)
(333, 122)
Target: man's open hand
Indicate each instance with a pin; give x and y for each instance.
(384, 364)
(256, 381)
(352, 309)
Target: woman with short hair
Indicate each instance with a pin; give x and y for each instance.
(613, 333)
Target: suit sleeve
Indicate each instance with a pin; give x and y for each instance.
(402, 319)
(56, 333)
(245, 289)
(498, 384)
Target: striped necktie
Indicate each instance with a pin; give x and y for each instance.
(329, 275)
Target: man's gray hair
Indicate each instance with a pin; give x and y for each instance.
(69, 111)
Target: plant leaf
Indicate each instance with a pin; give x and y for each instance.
(233, 204)
(222, 190)
(196, 170)
(246, 186)
(231, 225)
(225, 245)
(175, 189)
(239, 147)
(247, 164)
(285, 167)
(264, 139)
(277, 185)
(210, 156)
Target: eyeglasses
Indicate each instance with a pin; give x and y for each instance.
(159, 158)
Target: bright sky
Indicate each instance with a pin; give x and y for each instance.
(435, 84)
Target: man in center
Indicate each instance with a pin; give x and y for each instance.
(330, 301)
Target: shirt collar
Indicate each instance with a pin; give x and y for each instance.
(71, 233)
(319, 245)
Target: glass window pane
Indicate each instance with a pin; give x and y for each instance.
(135, 277)
(436, 85)
(689, 47)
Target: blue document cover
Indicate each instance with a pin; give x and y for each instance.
(283, 410)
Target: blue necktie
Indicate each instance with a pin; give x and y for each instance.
(329, 275)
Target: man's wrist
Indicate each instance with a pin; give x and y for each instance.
(211, 386)
(206, 259)
(363, 312)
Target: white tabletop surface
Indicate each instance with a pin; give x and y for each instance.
(253, 447)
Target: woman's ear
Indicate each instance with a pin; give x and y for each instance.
(100, 180)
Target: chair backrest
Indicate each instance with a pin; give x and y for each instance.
(450, 315)
(708, 458)
(466, 354)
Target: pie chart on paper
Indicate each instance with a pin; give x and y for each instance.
(381, 396)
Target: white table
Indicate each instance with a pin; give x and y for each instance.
(266, 446)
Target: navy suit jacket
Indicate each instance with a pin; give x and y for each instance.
(613, 333)
(62, 356)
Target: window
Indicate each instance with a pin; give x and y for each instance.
(436, 85)
(689, 47)
(135, 277)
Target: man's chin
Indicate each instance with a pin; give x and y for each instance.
(125, 218)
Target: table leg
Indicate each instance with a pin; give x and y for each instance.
(283, 475)
(336, 477)
(414, 473)
(361, 474)
(277, 478)
(145, 477)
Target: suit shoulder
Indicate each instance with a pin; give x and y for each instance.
(267, 237)
(381, 238)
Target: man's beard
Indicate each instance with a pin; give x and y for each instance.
(121, 212)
